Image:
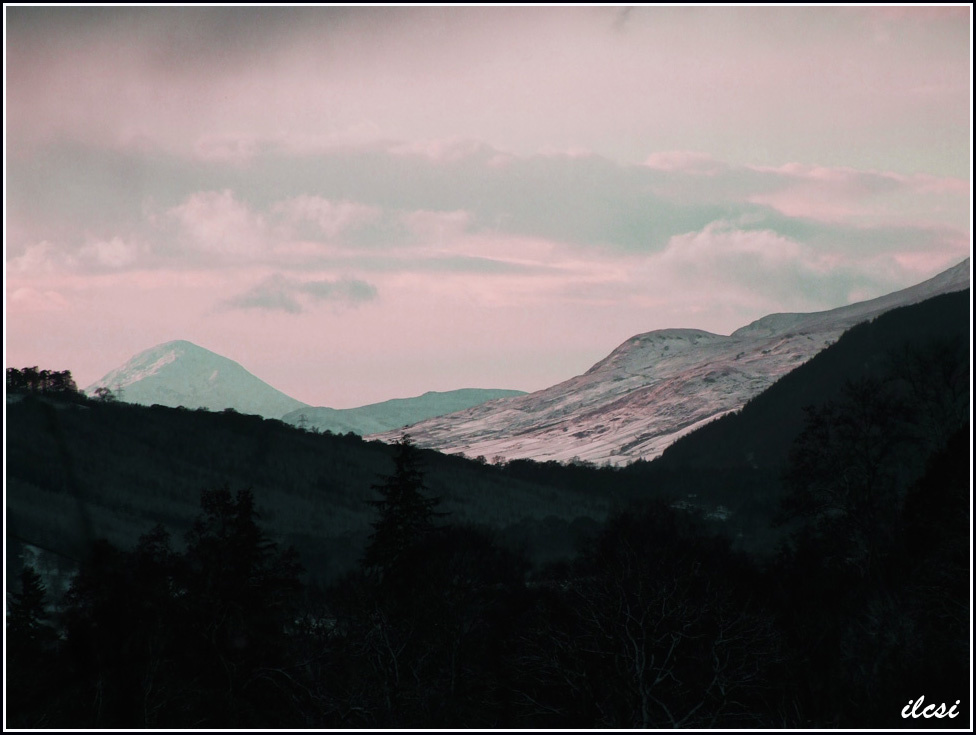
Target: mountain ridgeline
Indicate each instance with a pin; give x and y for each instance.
(393, 414)
(657, 387)
(800, 563)
(906, 372)
(923, 347)
(181, 374)
(79, 471)
(649, 392)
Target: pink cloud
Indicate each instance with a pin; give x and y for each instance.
(46, 258)
(919, 265)
(728, 276)
(692, 162)
(436, 228)
(568, 152)
(26, 299)
(291, 295)
(448, 150)
(227, 148)
(941, 185)
(37, 258)
(214, 222)
(331, 217)
(842, 193)
(723, 242)
(113, 253)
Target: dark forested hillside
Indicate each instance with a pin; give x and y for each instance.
(923, 343)
(917, 356)
(78, 471)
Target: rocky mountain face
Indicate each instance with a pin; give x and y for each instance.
(657, 387)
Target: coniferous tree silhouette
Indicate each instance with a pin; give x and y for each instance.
(159, 638)
(29, 652)
(845, 474)
(241, 595)
(25, 620)
(405, 512)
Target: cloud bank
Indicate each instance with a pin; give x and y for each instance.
(505, 193)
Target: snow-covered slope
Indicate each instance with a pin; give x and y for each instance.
(656, 387)
(182, 374)
(395, 413)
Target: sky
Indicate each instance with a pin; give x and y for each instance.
(365, 203)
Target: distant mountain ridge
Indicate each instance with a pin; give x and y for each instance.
(927, 339)
(658, 386)
(954, 279)
(653, 389)
(395, 413)
(180, 373)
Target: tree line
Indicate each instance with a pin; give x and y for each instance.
(38, 381)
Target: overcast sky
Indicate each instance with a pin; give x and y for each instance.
(365, 203)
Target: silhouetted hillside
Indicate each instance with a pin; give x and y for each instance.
(733, 467)
(760, 435)
(77, 472)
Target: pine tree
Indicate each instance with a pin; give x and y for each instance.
(240, 577)
(29, 654)
(25, 624)
(405, 512)
(241, 600)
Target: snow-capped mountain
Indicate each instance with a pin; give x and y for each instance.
(182, 374)
(657, 387)
(393, 414)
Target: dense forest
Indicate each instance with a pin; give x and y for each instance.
(804, 563)
(83, 469)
